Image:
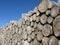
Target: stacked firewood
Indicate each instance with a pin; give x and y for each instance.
(39, 27)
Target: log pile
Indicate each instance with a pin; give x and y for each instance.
(39, 27)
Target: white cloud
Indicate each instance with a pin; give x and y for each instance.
(58, 0)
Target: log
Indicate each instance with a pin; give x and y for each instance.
(43, 19)
(54, 11)
(45, 41)
(43, 6)
(39, 36)
(50, 20)
(53, 41)
(56, 26)
(47, 30)
(59, 42)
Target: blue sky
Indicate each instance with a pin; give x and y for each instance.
(12, 9)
